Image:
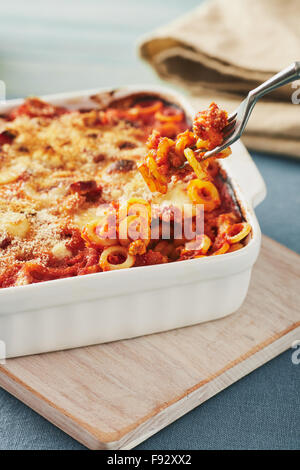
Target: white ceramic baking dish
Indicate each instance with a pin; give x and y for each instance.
(97, 308)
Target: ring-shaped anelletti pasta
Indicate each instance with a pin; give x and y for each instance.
(185, 139)
(202, 244)
(236, 232)
(223, 249)
(202, 144)
(168, 129)
(235, 247)
(123, 229)
(197, 167)
(137, 206)
(225, 153)
(161, 182)
(205, 244)
(164, 147)
(116, 250)
(204, 192)
(132, 228)
(176, 117)
(148, 178)
(144, 110)
(95, 233)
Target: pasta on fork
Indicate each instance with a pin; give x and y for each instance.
(84, 191)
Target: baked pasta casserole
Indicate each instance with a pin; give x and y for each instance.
(91, 190)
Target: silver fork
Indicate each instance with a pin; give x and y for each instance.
(238, 119)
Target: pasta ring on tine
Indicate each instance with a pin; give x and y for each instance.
(116, 251)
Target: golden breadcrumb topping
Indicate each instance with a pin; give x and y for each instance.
(39, 166)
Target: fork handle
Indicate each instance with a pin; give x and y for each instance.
(287, 75)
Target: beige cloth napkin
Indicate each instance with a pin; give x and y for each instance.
(225, 48)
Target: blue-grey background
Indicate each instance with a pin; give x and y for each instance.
(59, 45)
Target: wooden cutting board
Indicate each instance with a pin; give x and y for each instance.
(114, 396)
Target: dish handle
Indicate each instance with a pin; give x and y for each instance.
(241, 166)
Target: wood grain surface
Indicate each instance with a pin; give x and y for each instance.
(116, 395)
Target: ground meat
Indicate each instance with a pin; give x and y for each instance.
(122, 166)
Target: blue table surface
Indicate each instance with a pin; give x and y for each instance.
(64, 45)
